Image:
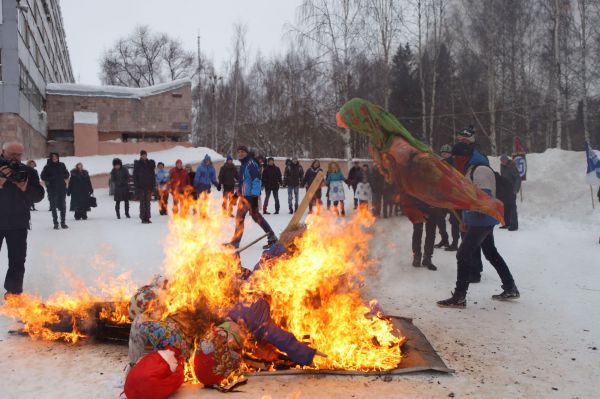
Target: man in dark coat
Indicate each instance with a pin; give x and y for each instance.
(271, 179)
(145, 182)
(119, 177)
(292, 178)
(80, 189)
(228, 177)
(354, 176)
(509, 170)
(55, 175)
(19, 187)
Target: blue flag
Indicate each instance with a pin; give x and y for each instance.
(593, 165)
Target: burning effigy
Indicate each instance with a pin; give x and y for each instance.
(210, 320)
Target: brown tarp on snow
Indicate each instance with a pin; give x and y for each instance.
(417, 355)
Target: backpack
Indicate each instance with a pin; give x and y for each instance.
(504, 188)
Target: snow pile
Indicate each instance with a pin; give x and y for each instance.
(100, 164)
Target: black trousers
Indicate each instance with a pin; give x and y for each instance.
(454, 225)
(16, 243)
(417, 237)
(475, 238)
(145, 197)
(510, 214)
(245, 205)
(377, 204)
(275, 192)
(118, 207)
(58, 202)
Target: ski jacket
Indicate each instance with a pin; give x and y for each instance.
(162, 178)
(179, 179)
(250, 177)
(205, 175)
(511, 173)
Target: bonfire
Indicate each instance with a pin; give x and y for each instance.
(314, 291)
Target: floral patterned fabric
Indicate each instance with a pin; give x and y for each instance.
(161, 334)
(218, 354)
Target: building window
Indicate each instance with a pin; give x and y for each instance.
(29, 89)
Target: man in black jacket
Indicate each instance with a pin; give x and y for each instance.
(271, 179)
(19, 189)
(145, 182)
(228, 177)
(292, 178)
(55, 175)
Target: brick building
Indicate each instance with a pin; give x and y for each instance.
(91, 120)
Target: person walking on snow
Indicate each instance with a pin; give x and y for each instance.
(249, 192)
(178, 182)
(205, 176)
(144, 181)
(335, 182)
(309, 177)
(479, 232)
(55, 174)
(228, 177)
(292, 178)
(119, 177)
(509, 170)
(271, 179)
(80, 190)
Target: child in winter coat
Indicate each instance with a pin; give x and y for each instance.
(309, 177)
(364, 192)
(335, 181)
(205, 176)
(162, 186)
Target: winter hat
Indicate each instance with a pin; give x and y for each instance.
(270, 159)
(143, 152)
(504, 158)
(207, 158)
(229, 158)
(467, 135)
(161, 334)
(117, 161)
(462, 149)
(179, 161)
(446, 148)
(243, 148)
(188, 165)
(217, 355)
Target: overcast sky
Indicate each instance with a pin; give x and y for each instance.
(93, 26)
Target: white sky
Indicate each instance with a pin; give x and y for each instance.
(94, 25)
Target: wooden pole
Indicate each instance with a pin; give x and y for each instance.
(251, 243)
(592, 195)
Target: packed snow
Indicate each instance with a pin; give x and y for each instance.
(543, 345)
(76, 89)
(101, 164)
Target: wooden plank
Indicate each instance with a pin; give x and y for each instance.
(287, 235)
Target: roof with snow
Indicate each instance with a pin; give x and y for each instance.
(74, 89)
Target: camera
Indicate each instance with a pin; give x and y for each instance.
(19, 172)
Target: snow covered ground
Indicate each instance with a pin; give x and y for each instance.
(541, 346)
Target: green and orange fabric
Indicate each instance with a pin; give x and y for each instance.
(412, 166)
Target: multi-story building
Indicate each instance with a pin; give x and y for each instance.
(33, 53)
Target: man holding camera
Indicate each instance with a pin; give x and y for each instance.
(19, 188)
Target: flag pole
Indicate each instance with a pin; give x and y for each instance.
(592, 195)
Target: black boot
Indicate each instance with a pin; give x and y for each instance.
(458, 300)
(507, 294)
(291, 211)
(416, 260)
(63, 225)
(452, 247)
(118, 211)
(271, 239)
(428, 264)
(62, 221)
(475, 278)
(443, 243)
(127, 210)
(55, 225)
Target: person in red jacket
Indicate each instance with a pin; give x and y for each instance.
(178, 182)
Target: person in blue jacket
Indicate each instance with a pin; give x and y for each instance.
(478, 231)
(249, 193)
(205, 176)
